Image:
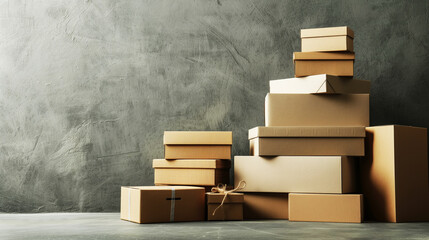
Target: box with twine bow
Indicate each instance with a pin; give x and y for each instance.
(225, 205)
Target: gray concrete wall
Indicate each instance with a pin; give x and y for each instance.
(88, 87)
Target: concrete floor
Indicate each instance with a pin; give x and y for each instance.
(108, 226)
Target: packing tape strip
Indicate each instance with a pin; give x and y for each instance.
(173, 204)
(129, 204)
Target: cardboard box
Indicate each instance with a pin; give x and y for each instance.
(316, 110)
(327, 39)
(313, 63)
(207, 172)
(394, 175)
(197, 151)
(265, 206)
(285, 174)
(197, 138)
(326, 207)
(319, 84)
(232, 209)
(307, 141)
(156, 204)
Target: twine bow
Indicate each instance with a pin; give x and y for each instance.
(221, 188)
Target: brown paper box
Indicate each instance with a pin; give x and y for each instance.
(327, 32)
(197, 138)
(327, 39)
(307, 141)
(232, 209)
(208, 172)
(321, 174)
(316, 110)
(197, 151)
(326, 207)
(319, 84)
(313, 63)
(155, 204)
(394, 176)
(265, 206)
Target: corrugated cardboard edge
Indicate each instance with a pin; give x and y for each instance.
(296, 131)
(197, 138)
(303, 56)
(327, 32)
(192, 163)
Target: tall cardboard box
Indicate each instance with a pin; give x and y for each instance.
(302, 174)
(327, 39)
(394, 175)
(326, 207)
(316, 110)
(265, 206)
(206, 172)
(307, 141)
(231, 210)
(333, 63)
(156, 204)
(319, 84)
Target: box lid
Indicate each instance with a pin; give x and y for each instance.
(192, 163)
(231, 198)
(323, 56)
(161, 188)
(297, 131)
(198, 138)
(327, 32)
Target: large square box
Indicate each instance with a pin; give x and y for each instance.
(333, 63)
(394, 175)
(265, 206)
(327, 39)
(232, 208)
(301, 174)
(307, 141)
(156, 204)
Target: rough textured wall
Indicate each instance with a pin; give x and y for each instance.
(88, 87)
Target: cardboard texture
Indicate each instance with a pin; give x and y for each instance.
(197, 138)
(265, 206)
(305, 174)
(394, 175)
(197, 151)
(327, 32)
(313, 63)
(319, 84)
(208, 172)
(156, 204)
(331, 43)
(232, 209)
(316, 110)
(346, 208)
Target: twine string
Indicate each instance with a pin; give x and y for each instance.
(221, 188)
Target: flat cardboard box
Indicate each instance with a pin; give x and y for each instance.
(265, 206)
(316, 110)
(157, 204)
(307, 141)
(208, 172)
(327, 39)
(197, 138)
(347, 208)
(327, 32)
(319, 84)
(394, 175)
(313, 63)
(197, 151)
(305, 174)
(231, 210)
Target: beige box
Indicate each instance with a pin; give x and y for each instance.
(197, 151)
(316, 110)
(156, 204)
(207, 172)
(313, 63)
(394, 175)
(326, 207)
(305, 174)
(307, 141)
(319, 84)
(265, 206)
(231, 210)
(197, 138)
(327, 39)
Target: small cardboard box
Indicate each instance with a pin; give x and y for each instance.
(313, 63)
(319, 84)
(305, 174)
(316, 110)
(232, 208)
(156, 204)
(206, 172)
(394, 175)
(265, 206)
(326, 207)
(197, 152)
(307, 141)
(327, 39)
(197, 138)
